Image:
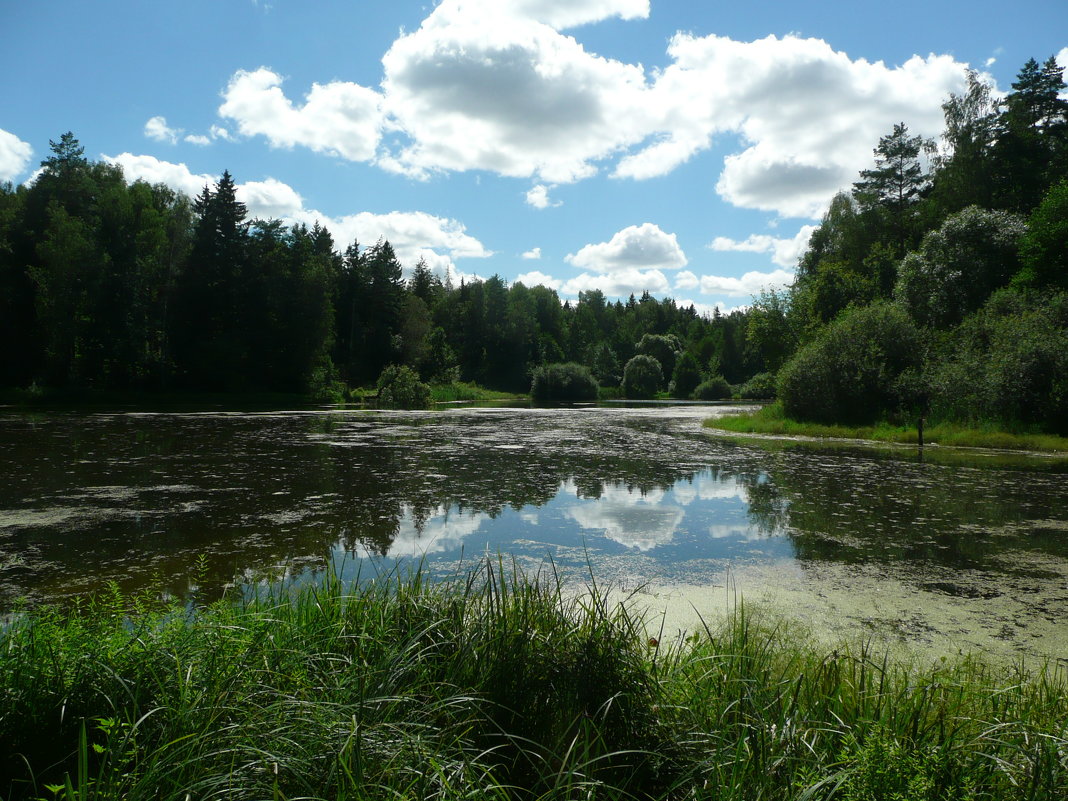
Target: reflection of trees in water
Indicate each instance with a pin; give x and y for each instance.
(861, 509)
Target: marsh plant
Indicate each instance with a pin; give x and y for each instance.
(496, 685)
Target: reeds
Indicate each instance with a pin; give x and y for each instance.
(496, 685)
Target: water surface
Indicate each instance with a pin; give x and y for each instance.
(643, 497)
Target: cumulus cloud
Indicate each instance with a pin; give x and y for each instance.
(637, 247)
(338, 118)
(686, 280)
(495, 85)
(532, 255)
(154, 171)
(784, 252)
(198, 139)
(502, 91)
(156, 128)
(618, 283)
(14, 156)
(536, 278)
(413, 234)
(566, 13)
(538, 197)
(807, 116)
(749, 284)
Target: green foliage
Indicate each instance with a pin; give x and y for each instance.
(715, 388)
(849, 373)
(665, 349)
(1044, 247)
(399, 387)
(1008, 363)
(642, 377)
(563, 382)
(604, 365)
(958, 265)
(494, 685)
(686, 377)
(760, 387)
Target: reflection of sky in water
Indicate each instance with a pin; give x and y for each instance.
(704, 517)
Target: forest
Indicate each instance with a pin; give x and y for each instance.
(935, 287)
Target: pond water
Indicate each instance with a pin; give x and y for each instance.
(965, 555)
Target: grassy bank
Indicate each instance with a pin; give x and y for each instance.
(771, 420)
(496, 687)
(467, 391)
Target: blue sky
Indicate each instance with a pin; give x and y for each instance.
(683, 148)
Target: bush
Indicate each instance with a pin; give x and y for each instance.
(399, 387)
(665, 349)
(563, 382)
(958, 265)
(759, 387)
(642, 377)
(686, 377)
(850, 372)
(1007, 363)
(715, 388)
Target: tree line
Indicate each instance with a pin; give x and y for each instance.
(937, 286)
(118, 286)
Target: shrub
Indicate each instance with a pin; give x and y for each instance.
(567, 381)
(715, 388)
(686, 377)
(958, 265)
(642, 377)
(850, 372)
(759, 387)
(399, 387)
(665, 349)
(1007, 363)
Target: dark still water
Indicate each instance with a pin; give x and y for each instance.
(643, 496)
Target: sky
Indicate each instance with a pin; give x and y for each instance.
(680, 147)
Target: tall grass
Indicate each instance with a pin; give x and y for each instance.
(495, 686)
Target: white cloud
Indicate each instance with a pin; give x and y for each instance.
(563, 13)
(807, 117)
(14, 156)
(198, 139)
(218, 132)
(536, 278)
(633, 519)
(637, 247)
(270, 199)
(501, 91)
(532, 255)
(686, 280)
(413, 234)
(785, 252)
(749, 284)
(156, 128)
(494, 85)
(538, 197)
(618, 283)
(338, 118)
(154, 171)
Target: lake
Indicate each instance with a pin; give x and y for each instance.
(952, 553)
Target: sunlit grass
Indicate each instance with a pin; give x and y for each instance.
(497, 686)
(772, 421)
(466, 391)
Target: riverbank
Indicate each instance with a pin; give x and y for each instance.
(496, 686)
(771, 420)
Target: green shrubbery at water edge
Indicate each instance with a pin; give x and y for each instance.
(496, 686)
